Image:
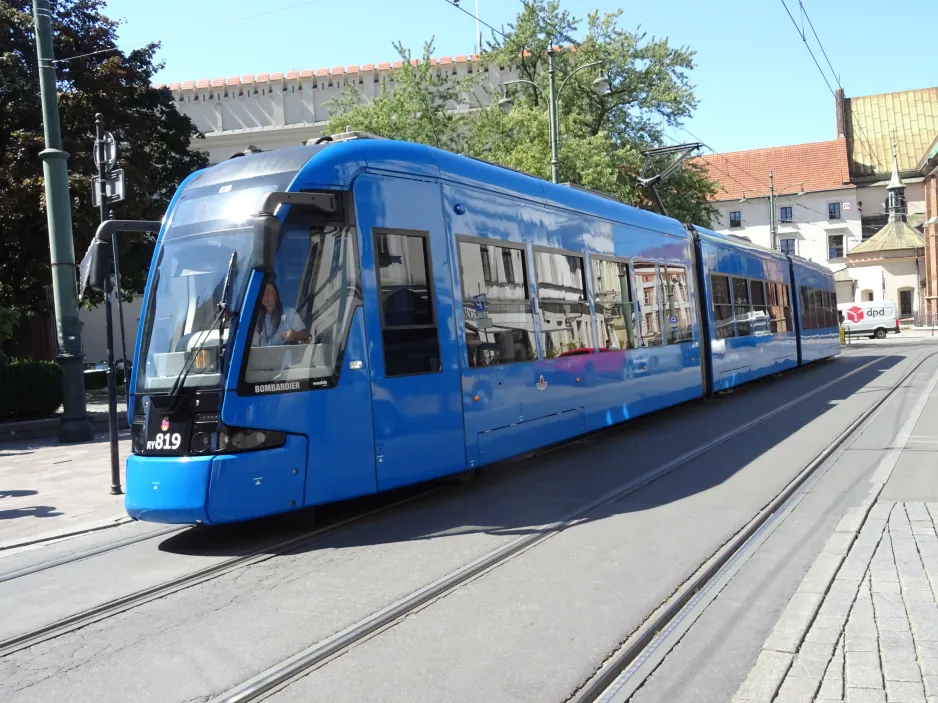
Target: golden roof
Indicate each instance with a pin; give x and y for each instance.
(893, 237)
(873, 121)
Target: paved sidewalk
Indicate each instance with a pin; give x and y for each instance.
(863, 624)
(875, 636)
(49, 489)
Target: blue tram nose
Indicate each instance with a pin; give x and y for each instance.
(168, 489)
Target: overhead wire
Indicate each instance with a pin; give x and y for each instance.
(864, 140)
(807, 46)
(819, 43)
(481, 21)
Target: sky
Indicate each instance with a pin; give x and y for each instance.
(756, 84)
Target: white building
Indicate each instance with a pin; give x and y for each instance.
(890, 265)
(273, 110)
(816, 211)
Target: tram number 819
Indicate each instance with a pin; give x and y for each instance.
(165, 440)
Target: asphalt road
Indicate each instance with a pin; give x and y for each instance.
(532, 629)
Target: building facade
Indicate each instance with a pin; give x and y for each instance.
(929, 170)
(273, 110)
(831, 198)
(797, 199)
(890, 264)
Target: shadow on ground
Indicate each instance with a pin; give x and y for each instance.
(516, 496)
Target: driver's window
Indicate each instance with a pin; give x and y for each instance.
(304, 310)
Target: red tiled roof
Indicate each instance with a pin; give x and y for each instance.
(322, 72)
(812, 167)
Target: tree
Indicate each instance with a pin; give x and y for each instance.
(153, 139)
(415, 105)
(601, 137)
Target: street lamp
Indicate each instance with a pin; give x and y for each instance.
(600, 85)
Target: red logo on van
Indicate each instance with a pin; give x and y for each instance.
(855, 314)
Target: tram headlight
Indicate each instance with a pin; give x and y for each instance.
(137, 439)
(241, 439)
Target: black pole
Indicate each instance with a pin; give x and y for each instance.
(111, 372)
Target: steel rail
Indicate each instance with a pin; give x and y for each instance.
(133, 600)
(622, 674)
(87, 554)
(280, 675)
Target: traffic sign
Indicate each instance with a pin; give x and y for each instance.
(110, 152)
(115, 188)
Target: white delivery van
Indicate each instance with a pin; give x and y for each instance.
(869, 318)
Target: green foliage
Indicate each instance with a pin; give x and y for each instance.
(601, 137)
(153, 141)
(9, 319)
(95, 380)
(30, 389)
(412, 105)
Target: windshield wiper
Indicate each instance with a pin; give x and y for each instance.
(226, 290)
(222, 307)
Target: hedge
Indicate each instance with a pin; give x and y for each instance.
(97, 379)
(30, 389)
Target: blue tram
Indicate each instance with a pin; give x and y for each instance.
(334, 320)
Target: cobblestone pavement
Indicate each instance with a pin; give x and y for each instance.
(49, 489)
(875, 636)
(863, 623)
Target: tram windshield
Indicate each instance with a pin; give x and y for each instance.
(304, 308)
(206, 251)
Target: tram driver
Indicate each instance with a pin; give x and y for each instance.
(277, 325)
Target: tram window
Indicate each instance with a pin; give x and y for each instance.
(499, 323)
(741, 307)
(785, 302)
(722, 306)
(566, 324)
(304, 312)
(760, 313)
(831, 317)
(646, 280)
(405, 292)
(615, 313)
(771, 300)
(678, 311)
(814, 312)
(806, 312)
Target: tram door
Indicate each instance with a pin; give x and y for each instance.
(409, 317)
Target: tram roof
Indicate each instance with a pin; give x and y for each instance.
(337, 164)
(740, 243)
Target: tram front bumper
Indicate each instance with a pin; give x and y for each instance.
(168, 489)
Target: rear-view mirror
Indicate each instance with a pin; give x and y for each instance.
(266, 229)
(95, 267)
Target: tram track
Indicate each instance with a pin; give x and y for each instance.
(89, 553)
(124, 603)
(624, 673)
(346, 639)
(280, 676)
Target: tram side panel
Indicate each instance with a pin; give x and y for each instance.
(819, 334)
(409, 318)
(531, 376)
(751, 326)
